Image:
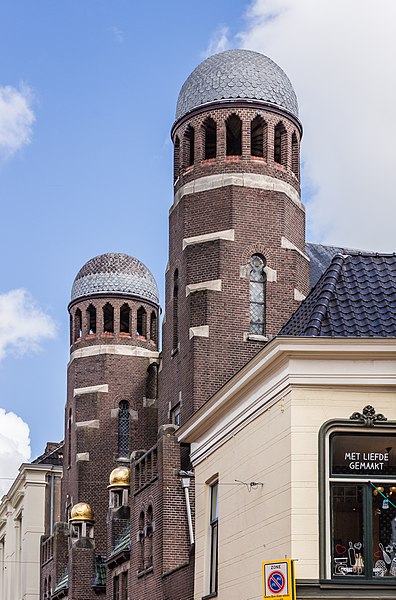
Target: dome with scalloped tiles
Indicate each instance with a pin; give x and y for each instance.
(235, 75)
(115, 274)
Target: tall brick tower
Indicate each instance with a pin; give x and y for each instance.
(237, 266)
(111, 408)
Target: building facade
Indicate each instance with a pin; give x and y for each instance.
(28, 512)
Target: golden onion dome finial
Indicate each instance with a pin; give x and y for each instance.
(81, 511)
(120, 477)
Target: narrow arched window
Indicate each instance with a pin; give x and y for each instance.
(123, 429)
(257, 295)
(149, 535)
(280, 144)
(209, 138)
(151, 382)
(233, 136)
(91, 310)
(175, 310)
(176, 158)
(69, 437)
(49, 587)
(295, 159)
(153, 327)
(45, 589)
(77, 324)
(125, 319)
(108, 318)
(141, 322)
(258, 137)
(189, 143)
(141, 542)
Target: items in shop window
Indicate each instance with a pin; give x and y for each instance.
(380, 568)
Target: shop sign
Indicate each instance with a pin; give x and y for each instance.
(363, 454)
(278, 579)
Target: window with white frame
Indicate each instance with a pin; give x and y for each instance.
(359, 493)
(214, 537)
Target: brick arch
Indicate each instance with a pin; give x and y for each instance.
(281, 144)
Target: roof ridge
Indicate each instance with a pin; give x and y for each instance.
(328, 284)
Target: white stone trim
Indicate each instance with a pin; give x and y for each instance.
(249, 180)
(227, 234)
(298, 296)
(214, 285)
(91, 389)
(285, 243)
(82, 456)
(272, 274)
(113, 349)
(201, 331)
(94, 424)
(254, 337)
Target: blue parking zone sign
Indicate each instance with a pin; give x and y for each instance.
(278, 579)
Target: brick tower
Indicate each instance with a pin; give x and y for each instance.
(111, 406)
(237, 266)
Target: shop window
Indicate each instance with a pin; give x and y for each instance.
(141, 322)
(210, 138)
(125, 319)
(359, 501)
(280, 144)
(233, 136)
(214, 537)
(123, 429)
(257, 295)
(258, 137)
(108, 318)
(91, 311)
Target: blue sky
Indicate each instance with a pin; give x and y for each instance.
(88, 169)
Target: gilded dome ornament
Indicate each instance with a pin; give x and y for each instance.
(82, 512)
(120, 477)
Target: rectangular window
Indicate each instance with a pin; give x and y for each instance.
(214, 539)
(116, 588)
(124, 585)
(175, 415)
(362, 510)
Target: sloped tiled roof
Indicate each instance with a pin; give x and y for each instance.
(321, 256)
(123, 542)
(355, 297)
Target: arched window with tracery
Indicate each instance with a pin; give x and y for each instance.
(233, 136)
(141, 542)
(108, 318)
(257, 295)
(149, 536)
(125, 319)
(175, 310)
(141, 322)
(77, 324)
(123, 429)
(91, 311)
(280, 144)
(189, 143)
(258, 137)
(209, 138)
(295, 157)
(176, 159)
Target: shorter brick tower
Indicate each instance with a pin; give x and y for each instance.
(111, 404)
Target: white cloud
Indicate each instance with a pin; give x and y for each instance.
(14, 447)
(118, 34)
(219, 41)
(16, 119)
(340, 58)
(23, 325)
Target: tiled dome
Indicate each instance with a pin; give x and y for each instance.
(115, 274)
(237, 74)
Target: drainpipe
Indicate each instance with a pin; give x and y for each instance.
(52, 504)
(185, 481)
